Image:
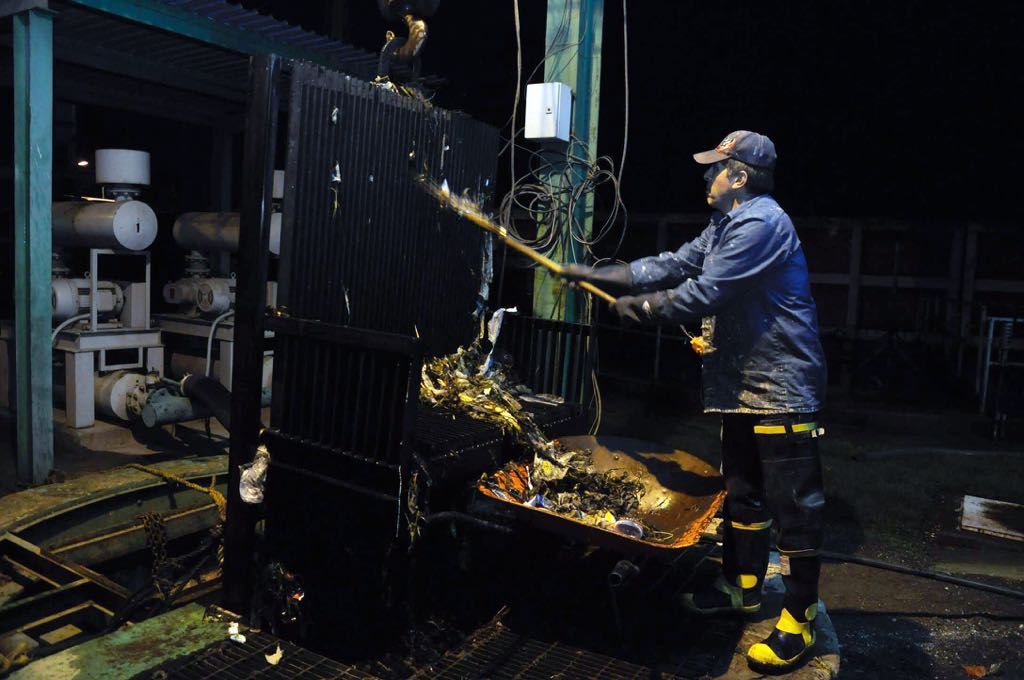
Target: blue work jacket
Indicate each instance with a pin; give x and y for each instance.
(746, 275)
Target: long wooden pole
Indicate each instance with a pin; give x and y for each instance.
(465, 208)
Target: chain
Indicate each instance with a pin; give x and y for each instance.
(156, 539)
(163, 566)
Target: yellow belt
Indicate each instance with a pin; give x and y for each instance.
(784, 429)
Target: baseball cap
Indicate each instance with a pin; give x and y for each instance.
(750, 147)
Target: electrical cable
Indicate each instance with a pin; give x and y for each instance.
(515, 102)
(65, 323)
(625, 87)
(926, 615)
(910, 571)
(923, 573)
(209, 340)
(555, 184)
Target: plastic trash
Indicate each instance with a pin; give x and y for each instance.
(628, 527)
(234, 635)
(275, 658)
(254, 474)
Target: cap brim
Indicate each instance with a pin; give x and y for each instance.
(709, 157)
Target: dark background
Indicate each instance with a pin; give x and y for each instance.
(896, 109)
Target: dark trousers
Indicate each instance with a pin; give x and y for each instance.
(774, 476)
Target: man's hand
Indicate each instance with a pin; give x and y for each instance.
(613, 278)
(577, 272)
(631, 309)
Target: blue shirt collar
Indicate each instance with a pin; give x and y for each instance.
(745, 206)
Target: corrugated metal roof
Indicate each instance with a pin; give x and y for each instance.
(234, 16)
(105, 41)
(109, 56)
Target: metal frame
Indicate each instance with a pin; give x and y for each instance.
(94, 276)
(250, 300)
(69, 587)
(181, 325)
(33, 172)
(985, 364)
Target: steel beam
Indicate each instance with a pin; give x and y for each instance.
(573, 45)
(250, 301)
(33, 176)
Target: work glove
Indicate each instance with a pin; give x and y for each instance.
(640, 309)
(611, 278)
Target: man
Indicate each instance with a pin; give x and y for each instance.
(763, 370)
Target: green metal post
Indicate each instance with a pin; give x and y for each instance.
(573, 46)
(33, 175)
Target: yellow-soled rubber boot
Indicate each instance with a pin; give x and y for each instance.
(722, 597)
(786, 646)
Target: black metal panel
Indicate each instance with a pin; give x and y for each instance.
(345, 390)
(363, 245)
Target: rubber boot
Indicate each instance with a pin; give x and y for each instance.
(787, 644)
(744, 563)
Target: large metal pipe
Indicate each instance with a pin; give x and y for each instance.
(181, 365)
(123, 225)
(163, 408)
(218, 231)
(211, 394)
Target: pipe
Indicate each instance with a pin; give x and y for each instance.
(218, 232)
(181, 365)
(210, 394)
(209, 340)
(932, 451)
(164, 408)
(622, 573)
(924, 573)
(122, 225)
(64, 324)
(453, 516)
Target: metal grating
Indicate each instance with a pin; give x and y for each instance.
(363, 245)
(492, 653)
(233, 661)
(495, 652)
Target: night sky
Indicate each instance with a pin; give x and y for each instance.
(894, 109)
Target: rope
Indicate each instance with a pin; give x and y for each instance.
(216, 496)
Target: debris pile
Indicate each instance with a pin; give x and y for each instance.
(463, 382)
(561, 480)
(581, 492)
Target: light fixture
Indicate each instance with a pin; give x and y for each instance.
(83, 163)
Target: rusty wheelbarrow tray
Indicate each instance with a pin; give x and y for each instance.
(683, 494)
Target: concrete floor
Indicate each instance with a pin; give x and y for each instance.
(895, 476)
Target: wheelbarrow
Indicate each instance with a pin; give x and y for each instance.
(683, 493)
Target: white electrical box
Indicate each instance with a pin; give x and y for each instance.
(548, 111)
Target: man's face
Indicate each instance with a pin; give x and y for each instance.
(721, 189)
